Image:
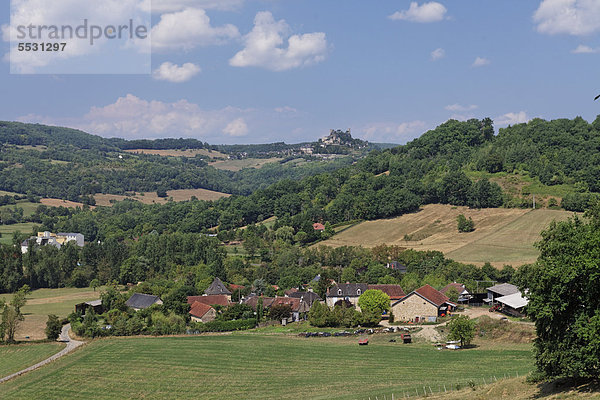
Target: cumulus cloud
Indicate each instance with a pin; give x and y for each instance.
(480, 62)
(187, 29)
(572, 17)
(460, 108)
(583, 49)
(175, 73)
(386, 131)
(236, 127)
(162, 6)
(69, 13)
(427, 12)
(438, 54)
(134, 118)
(512, 118)
(262, 46)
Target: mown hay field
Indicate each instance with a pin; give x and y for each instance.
(152, 197)
(14, 358)
(501, 236)
(42, 302)
(246, 366)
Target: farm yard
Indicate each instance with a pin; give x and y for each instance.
(501, 236)
(261, 367)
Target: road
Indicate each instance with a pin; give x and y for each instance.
(64, 337)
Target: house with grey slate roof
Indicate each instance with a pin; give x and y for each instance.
(140, 301)
(217, 287)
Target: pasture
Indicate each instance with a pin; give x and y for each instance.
(237, 165)
(8, 230)
(249, 366)
(17, 357)
(501, 236)
(179, 153)
(42, 302)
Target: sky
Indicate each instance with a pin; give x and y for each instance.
(260, 71)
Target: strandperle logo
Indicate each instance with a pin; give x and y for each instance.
(80, 37)
(84, 31)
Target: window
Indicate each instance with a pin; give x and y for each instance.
(358, 292)
(339, 292)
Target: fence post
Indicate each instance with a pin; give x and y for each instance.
(445, 391)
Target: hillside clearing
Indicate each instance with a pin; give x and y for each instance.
(259, 367)
(60, 203)
(501, 236)
(179, 153)
(7, 231)
(237, 165)
(152, 197)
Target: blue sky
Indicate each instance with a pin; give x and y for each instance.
(244, 71)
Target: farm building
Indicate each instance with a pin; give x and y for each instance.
(396, 266)
(345, 291)
(214, 299)
(217, 287)
(140, 301)
(201, 312)
(54, 239)
(422, 305)
(307, 297)
(299, 307)
(513, 304)
(95, 305)
(502, 289)
(463, 294)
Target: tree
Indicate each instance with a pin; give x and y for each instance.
(372, 304)
(279, 312)
(318, 314)
(464, 224)
(94, 283)
(462, 328)
(452, 294)
(564, 301)
(53, 327)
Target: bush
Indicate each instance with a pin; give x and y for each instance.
(464, 224)
(53, 327)
(224, 326)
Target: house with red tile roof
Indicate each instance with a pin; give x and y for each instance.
(425, 304)
(213, 299)
(201, 312)
(318, 226)
(394, 291)
(463, 293)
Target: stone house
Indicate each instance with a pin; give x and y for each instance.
(345, 291)
(422, 305)
(217, 287)
(200, 312)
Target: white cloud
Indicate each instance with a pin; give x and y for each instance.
(187, 29)
(134, 118)
(162, 6)
(512, 118)
(66, 13)
(386, 131)
(573, 17)
(236, 127)
(262, 46)
(583, 49)
(428, 12)
(480, 62)
(438, 54)
(174, 73)
(286, 109)
(460, 108)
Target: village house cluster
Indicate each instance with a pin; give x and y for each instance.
(54, 239)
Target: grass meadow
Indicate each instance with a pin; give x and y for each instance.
(42, 302)
(17, 357)
(8, 230)
(247, 366)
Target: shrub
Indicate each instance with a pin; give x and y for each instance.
(224, 326)
(464, 224)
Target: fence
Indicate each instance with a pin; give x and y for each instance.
(439, 389)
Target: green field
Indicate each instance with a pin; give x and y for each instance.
(17, 357)
(242, 366)
(8, 230)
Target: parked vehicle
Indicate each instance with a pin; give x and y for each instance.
(363, 342)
